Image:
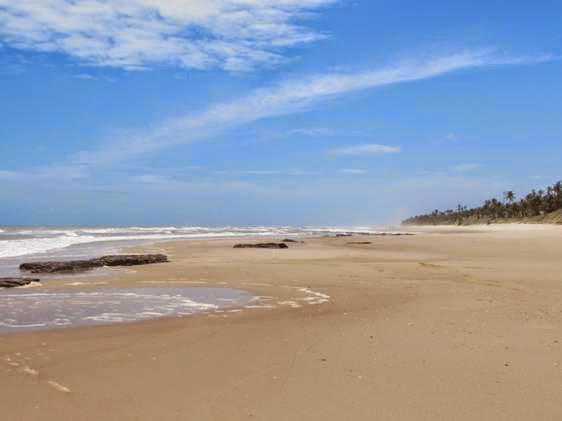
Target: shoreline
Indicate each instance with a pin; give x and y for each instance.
(444, 325)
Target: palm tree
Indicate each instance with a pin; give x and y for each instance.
(533, 204)
(509, 196)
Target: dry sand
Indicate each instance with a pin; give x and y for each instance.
(453, 324)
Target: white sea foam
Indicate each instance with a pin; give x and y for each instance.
(314, 297)
(79, 283)
(290, 303)
(259, 306)
(35, 240)
(40, 240)
(28, 310)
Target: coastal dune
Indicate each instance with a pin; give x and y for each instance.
(449, 324)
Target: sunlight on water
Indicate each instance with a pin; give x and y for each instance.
(31, 310)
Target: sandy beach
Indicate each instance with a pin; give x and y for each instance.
(450, 324)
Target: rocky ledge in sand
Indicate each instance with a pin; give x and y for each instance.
(16, 282)
(262, 246)
(81, 265)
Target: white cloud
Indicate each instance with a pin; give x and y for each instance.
(289, 97)
(151, 179)
(366, 149)
(326, 132)
(290, 172)
(234, 35)
(465, 167)
(351, 171)
(85, 76)
(260, 172)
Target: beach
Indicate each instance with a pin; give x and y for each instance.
(449, 324)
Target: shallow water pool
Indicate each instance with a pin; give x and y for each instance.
(32, 310)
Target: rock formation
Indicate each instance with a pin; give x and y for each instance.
(262, 246)
(16, 282)
(82, 265)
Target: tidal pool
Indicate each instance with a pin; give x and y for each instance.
(32, 310)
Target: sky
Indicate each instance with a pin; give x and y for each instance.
(279, 112)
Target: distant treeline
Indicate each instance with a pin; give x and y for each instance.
(532, 206)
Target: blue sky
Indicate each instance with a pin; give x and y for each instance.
(273, 112)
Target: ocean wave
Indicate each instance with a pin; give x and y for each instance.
(26, 246)
(26, 240)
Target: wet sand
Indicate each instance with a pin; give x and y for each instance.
(42, 309)
(453, 324)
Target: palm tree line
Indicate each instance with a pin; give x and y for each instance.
(535, 203)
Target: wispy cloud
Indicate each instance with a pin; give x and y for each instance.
(326, 132)
(151, 179)
(85, 76)
(235, 35)
(366, 149)
(289, 97)
(8, 175)
(11, 64)
(89, 76)
(259, 172)
(290, 171)
(58, 172)
(465, 167)
(451, 137)
(351, 171)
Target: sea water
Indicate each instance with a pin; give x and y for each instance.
(27, 310)
(19, 243)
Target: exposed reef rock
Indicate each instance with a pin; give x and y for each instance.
(131, 259)
(262, 246)
(82, 265)
(370, 234)
(290, 240)
(16, 282)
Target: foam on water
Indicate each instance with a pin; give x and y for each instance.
(20, 241)
(25, 241)
(64, 243)
(21, 310)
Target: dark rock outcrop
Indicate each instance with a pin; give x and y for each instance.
(359, 242)
(262, 246)
(16, 282)
(290, 240)
(82, 265)
(131, 259)
(373, 234)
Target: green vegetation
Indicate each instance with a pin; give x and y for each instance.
(537, 206)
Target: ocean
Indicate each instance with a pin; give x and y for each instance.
(19, 243)
(22, 309)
